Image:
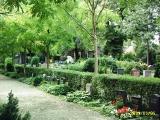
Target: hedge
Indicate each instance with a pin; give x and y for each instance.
(104, 85)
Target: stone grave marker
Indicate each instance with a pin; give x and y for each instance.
(120, 71)
(122, 94)
(147, 73)
(135, 72)
(136, 102)
(89, 88)
(154, 103)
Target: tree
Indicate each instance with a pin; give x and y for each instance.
(141, 23)
(115, 39)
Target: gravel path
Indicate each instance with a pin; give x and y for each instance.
(43, 106)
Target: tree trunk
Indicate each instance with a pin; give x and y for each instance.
(95, 41)
(148, 52)
(48, 57)
(25, 62)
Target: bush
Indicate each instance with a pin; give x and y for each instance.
(36, 81)
(104, 63)
(78, 96)
(128, 57)
(108, 84)
(9, 64)
(157, 70)
(104, 86)
(76, 80)
(128, 66)
(2, 66)
(56, 89)
(28, 81)
(10, 111)
(77, 66)
(89, 65)
(35, 61)
(12, 74)
(19, 69)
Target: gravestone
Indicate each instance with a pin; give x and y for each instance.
(66, 83)
(135, 72)
(69, 60)
(155, 103)
(147, 73)
(89, 88)
(136, 102)
(122, 94)
(120, 71)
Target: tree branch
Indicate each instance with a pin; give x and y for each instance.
(88, 4)
(99, 14)
(78, 23)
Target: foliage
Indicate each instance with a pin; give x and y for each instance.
(78, 96)
(104, 63)
(61, 89)
(19, 69)
(77, 66)
(128, 57)
(35, 61)
(10, 110)
(9, 64)
(115, 39)
(110, 83)
(12, 74)
(128, 66)
(157, 70)
(2, 66)
(36, 81)
(89, 65)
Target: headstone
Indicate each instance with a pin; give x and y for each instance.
(89, 88)
(155, 103)
(147, 73)
(122, 94)
(69, 60)
(136, 102)
(66, 83)
(102, 93)
(120, 71)
(58, 81)
(135, 72)
(49, 78)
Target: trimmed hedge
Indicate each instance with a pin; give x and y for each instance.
(106, 85)
(103, 85)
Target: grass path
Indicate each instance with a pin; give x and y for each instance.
(43, 106)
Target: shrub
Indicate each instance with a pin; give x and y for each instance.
(35, 61)
(36, 81)
(76, 80)
(78, 96)
(128, 66)
(2, 66)
(9, 64)
(157, 70)
(77, 66)
(104, 63)
(28, 81)
(19, 69)
(132, 85)
(56, 89)
(12, 74)
(89, 65)
(128, 57)
(10, 111)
